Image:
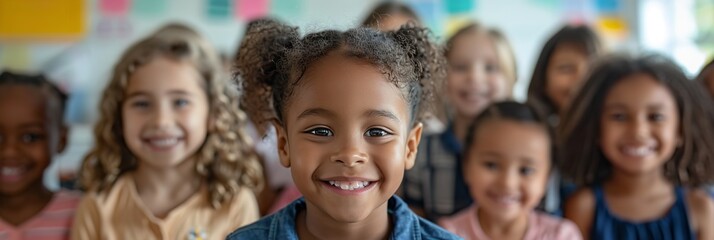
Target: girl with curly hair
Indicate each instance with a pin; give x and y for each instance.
(347, 109)
(171, 159)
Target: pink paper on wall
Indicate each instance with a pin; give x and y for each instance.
(114, 7)
(251, 9)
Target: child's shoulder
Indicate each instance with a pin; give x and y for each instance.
(430, 230)
(257, 230)
(581, 200)
(701, 209)
(242, 208)
(580, 208)
(407, 225)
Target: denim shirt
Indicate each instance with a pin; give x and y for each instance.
(281, 225)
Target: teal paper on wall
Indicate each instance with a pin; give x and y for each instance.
(149, 8)
(460, 6)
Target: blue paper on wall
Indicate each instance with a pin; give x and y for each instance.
(607, 6)
(432, 14)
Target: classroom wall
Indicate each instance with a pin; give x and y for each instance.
(81, 64)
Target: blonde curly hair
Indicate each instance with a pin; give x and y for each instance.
(226, 160)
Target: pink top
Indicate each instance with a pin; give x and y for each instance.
(53, 222)
(540, 226)
(288, 195)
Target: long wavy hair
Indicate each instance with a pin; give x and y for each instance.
(226, 161)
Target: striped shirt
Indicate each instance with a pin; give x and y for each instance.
(436, 182)
(53, 222)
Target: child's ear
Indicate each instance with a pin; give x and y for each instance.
(283, 146)
(413, 145)
(62, 140)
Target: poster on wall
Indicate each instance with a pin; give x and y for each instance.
(41, 20)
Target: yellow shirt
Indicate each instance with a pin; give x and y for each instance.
(120, 214)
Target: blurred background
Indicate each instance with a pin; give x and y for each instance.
(76, 42)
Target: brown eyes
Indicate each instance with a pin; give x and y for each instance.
(325, 132)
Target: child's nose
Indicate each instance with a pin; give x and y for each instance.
(350, 153)
(8, 147)
(639, 127)
(477, 77)
(162, 117)
(508, 180)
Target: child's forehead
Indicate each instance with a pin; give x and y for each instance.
(509, 131)
(23, 93)
(336, 79)
(21, 101)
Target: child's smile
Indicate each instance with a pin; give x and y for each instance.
(26, 143)
(163, 141)
(349, 185)
(165, 113)
(345, 149)
(639, 124)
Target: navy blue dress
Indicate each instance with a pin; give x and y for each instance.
(674, 225)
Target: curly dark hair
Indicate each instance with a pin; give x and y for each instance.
(584, 162)
(273, 58)
(56, 98)
(583, 37)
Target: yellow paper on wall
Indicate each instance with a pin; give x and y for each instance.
(42, 19)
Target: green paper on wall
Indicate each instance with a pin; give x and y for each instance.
(149, 8)
(286, 9)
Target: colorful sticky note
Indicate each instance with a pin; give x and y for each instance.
(39, 19)
(455, 24)
(149, 8)
(114, 7)
(607, 6)
(552, 4)
(612, 27)
(286, 9)
(218, 9)
(15, 57)
(460, 6)
(251, 9)
(431, 14)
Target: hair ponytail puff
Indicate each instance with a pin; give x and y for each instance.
(428, 65)
(260, 66)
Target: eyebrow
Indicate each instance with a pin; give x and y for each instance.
(652, 106)
(527, 160)
(382, 114)
(32, 125)
(315, 112)
(328, 113)
(171, 92)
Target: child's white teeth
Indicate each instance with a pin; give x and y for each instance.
(507, 200)
(164, 142)
(351, 185)
(638, 151)
(11, 171)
